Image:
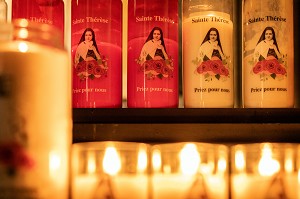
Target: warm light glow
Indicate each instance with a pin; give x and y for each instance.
(288, 165)
(299, 176)
(156, 160)
(267, 165)
(91, 164)
(240, 162)
(222, 165)
(54, 162)
(167, 169)
(189, 159)
(142, 160)
(23, 33)
(111, 161)
(23, 47)
(288, 162)
(207, 168)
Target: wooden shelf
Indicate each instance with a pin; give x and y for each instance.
(187, 115)
(176, 125)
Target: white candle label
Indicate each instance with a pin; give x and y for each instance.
(14, 156)
(268, 56)
(96, 54)
(35, 123)
(207, 61)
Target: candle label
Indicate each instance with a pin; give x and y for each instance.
(207, 61)
(152, 54)
(96, 53)
(43, 11)
(268, 56)
(15, 160)
(34, 136)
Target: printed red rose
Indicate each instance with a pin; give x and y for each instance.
(280, 70)
(12, 154)
(259, 67)
(100, 71)
(91, 66)
(80, 67)
(203, 67)
(224, 71)
(159, 65)
(215, 66)
(270, 65)
(146, 66)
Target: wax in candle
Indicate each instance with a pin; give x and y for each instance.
(268, 54)
(152, 71)
(207, 60)
(96, 40)
(35, 120)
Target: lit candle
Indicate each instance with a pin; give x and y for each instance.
(186, 170)
(35, 119)
(267, 172)
(114, 170)
(207, 54)
(268, 54)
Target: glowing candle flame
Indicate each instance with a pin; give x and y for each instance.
(156, 160)
(240, 162)
(54, 162)
(111, 161)
(142, 160)
(222, 165)
(91, 164)
(189, 159)
(23, 47)
(288, 162)
(267, 165)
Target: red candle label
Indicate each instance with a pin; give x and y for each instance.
(41, 11)
(96, 53)
(152, 54)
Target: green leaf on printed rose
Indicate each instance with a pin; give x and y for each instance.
(224, 62)
(160, 76)
(206, 75)
(218, 76)
(81, 76)
(273, 75)
(92, 76)
(99, 61)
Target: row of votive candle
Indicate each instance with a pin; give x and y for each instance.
(144, 35)
(123, 170)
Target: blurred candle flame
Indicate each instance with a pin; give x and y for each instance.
(189, 159)
(267, 165)
(142, 160)
(23, 47)
(91, 164)
(156, 160)
(222, 165)
(288, 162)
(111, 161)
(240, 162)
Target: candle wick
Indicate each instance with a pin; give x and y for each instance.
(198, 189)
(277, 187)
(104, 188)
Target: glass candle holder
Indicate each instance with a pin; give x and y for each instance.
(189, 170)
(265, 170)
(35, 112)
(207, 53)
(110, 170)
